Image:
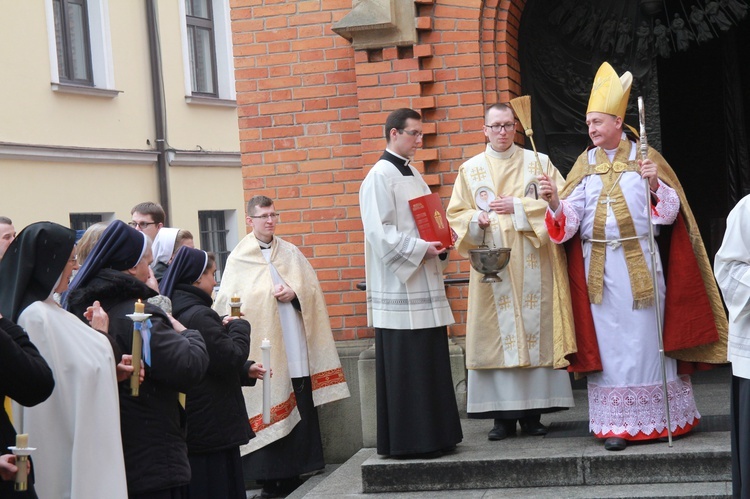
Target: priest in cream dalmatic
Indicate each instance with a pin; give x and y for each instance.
(283, 301)
(509, 350)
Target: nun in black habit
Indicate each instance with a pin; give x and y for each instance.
(153, 423)
(217, 419)
(76, 430)
(26, 378)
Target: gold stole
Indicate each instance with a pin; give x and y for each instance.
(640, 278)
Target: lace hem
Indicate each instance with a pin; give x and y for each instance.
(634, 409)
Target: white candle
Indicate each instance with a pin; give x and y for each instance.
(265, 346)
(22, 440)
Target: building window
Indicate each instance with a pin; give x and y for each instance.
(80, 47)
(201, 46)
(214, 232)
(72, 40)
(82, 221)
(206, 30)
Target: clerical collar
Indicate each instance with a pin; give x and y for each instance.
(264, 245)
(501, 155)
(611, 152)
(398, 161)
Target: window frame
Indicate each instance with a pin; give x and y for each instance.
(226, 94)
(66, 38)
(221, 234)
(208, 25)
(82, 221)
(100, 52)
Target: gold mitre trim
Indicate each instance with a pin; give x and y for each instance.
(610, 93)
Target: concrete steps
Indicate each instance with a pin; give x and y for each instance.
(541, 462)
(568, 462)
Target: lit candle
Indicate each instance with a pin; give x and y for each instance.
(265, 346)
(22, 440)
(235, 305)
(140, 307)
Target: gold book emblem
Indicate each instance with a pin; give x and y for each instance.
(438, 219)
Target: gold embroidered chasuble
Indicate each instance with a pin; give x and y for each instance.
(509, 324)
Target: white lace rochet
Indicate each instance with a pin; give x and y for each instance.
(634, 409)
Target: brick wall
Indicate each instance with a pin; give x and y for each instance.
(312, 109)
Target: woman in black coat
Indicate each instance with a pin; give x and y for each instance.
(153, 423)
(217, 419)
(26, 378)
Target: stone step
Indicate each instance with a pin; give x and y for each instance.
(554, 462)
(568, 462)
(346, 481)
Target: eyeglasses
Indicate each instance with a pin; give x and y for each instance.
(508, 127)
(413, 133)
(272, 216)
(141, 225)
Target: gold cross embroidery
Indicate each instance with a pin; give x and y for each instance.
(531, 301)
(478, 174)
(531, 261)
(503, 302)
(509, 342)
(532, 168)
(532, 340)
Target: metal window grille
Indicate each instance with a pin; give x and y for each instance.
(82, 221)
(213, 234)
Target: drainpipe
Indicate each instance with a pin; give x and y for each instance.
(160, 112)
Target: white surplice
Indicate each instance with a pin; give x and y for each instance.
(76, 431)
(403, 292)
(731, 267)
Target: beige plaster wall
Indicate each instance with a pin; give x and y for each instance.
(196, 189)
(213, 128)
(32, 113)
(35, 191)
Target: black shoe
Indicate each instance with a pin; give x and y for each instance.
(421, 455)
(270, 489)
(279, 488)
(502, 430)
(534, 428)
(615, 443)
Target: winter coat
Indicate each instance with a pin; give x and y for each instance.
(217, 418)
(26, 378)
(153, 423)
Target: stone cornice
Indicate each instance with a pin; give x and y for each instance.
(68, 154)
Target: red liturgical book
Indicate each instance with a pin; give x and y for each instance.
(431, 220)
